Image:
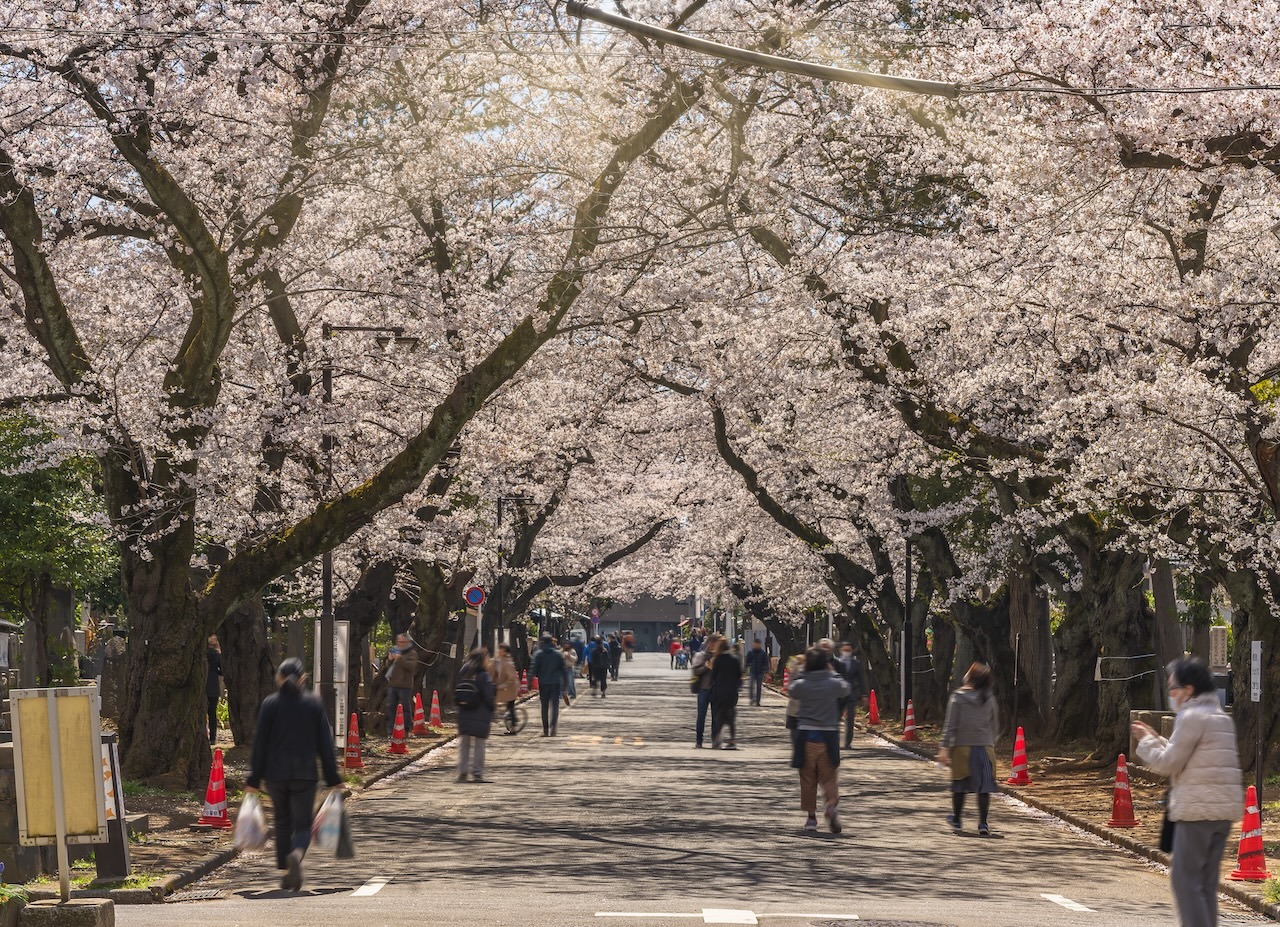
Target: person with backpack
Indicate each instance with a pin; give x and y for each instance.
(292, 732)
(548, 668)
(599, 666)
(475, 698)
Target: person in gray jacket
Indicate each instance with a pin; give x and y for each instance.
(818, 692)
(1205, 794)
(968, 744)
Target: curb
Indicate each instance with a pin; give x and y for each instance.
(154, 893)
(1137, 848)
(201, 869)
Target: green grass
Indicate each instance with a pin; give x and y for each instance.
(1271, 891)
(138, 789)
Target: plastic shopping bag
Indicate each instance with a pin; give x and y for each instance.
(327, 829)
(251, 824)
(346, 849)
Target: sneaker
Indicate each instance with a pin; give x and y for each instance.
(953, 821)
(730, 746)
(478, 778)
(984, 830)
(811, 824)
(698, 745)
(462, 777)
(833, 818)
(293, 878)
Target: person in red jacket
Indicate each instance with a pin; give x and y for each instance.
(677, 645)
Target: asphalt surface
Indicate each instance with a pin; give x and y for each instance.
(620, 822)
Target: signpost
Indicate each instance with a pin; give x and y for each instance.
(595, 615)
(341, 664)
(1255, 695)
(57, 746)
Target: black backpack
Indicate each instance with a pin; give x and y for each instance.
(467, 693)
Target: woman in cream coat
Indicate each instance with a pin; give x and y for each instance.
(1202, 764)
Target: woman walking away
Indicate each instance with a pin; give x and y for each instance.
(292, 732)
(1205, 794)
(726, 679)
(475, 701)
(817, 692)
(570, 673)
(968, 743)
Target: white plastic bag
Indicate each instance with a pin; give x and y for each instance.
(327, 829)
(251, 824)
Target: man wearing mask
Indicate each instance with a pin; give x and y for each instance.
(757, 665)
(402, 667)
(850, 669)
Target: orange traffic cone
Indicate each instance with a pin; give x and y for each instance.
(1251, 865)
(353, 760)
(535, 684)
(1019, 776)
(397, 735)
(786, 680)
(909, 727)
(1122, 799)
(215, 796)
(419, 719)
(435, 722)
(524, 682)
(873, 710)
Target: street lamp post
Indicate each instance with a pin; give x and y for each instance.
(328, 694)
(907, 638)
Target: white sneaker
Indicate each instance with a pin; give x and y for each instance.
(833, 818)
(811, 824)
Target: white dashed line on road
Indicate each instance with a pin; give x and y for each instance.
(1067, 903)
(727, 916)
(372, 887)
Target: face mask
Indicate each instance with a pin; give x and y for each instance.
(1176, 703)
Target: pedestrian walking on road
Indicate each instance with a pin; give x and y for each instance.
(599, 666)
(850, 668)
(506, 682)
(475, 698)
(757, 666)
(726, 680)
(701, 685)
(968, 744)
(615, 656)
(1205, 794)
(402, 667)
(570, 673)
(213, 685)
(818, 692)
(674, 648)
(292, 732)
(548, 668)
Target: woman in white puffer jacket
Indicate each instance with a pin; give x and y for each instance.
(1203, 765)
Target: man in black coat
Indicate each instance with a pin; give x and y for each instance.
(850, 668)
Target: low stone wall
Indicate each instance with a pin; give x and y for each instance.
(21, 864)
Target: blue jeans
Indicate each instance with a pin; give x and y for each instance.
(704, 703)
(570, 685)
(756, 690)
(402, 698)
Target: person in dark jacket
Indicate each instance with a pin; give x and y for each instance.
(474, 720)
(599, 666)
(726, 679)
(615, 656)
(548, 669)
(757, 666)
(213, 685)
(292, 732)
(850, 669)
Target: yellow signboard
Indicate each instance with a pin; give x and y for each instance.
(70, 764)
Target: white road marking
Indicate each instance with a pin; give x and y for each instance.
(1067, 903)
(641, 914)
(814, 917)
(726, 915)
(372, 887)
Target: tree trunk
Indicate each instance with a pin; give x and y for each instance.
(438, 633)
(928, 695)
(987, 628)
(1029, 616)
(163, 733)
(1252, 619)
(1075, 693)
(363, 607)
(246, 666)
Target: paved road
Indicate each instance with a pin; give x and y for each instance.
(619, 822)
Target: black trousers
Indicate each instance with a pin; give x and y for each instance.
(600, 677)
(293, 803)
(213, 718)
(722, 715)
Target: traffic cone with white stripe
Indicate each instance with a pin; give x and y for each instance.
(353, 759)
(786, 679)
(524, 682)
(1251, 864)
(419, 719)
(909, 727)
(873, 710)
(397, 734)
(1122, 798)
(215, 796)
(1019, 776)
(435, 723)
(536, 687)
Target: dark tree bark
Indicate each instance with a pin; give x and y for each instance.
(246, 666)
(1253, 619)
(1029, 616)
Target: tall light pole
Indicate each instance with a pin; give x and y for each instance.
(907, 657)
(328, 694)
